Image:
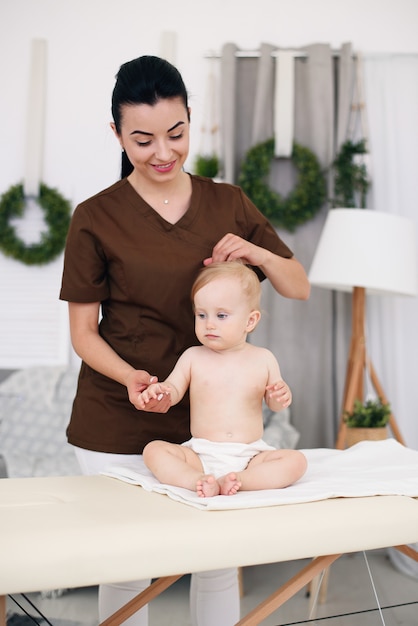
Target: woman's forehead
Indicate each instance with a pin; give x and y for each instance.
(161, 116)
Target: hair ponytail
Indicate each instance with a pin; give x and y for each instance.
(126, 165)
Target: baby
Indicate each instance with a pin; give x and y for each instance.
(228, 378)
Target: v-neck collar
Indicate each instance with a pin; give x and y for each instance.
(140, 205)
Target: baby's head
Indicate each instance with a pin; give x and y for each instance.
(236, 271)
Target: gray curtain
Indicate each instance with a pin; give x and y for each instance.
(308, 338)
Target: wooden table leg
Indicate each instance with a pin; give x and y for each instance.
(130, 608)
(318, 591)
(408, 551)
(287, 591)
(241, 582)
(2, 610)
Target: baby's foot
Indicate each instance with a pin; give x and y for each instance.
(207, 487)
(229, 484)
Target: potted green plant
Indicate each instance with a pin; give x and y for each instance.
(207, 165)
(367, 420)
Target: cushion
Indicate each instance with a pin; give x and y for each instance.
(35, 407)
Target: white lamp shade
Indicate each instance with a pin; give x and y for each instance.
(365, 248)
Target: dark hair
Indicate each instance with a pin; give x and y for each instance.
(145, 80)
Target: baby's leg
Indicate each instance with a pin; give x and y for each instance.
(173, 464)
(273, 469)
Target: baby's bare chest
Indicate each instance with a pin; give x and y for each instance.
(240, 376)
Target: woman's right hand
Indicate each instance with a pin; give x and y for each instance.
(136, 382)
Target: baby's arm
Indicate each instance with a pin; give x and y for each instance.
(175, 385)
(278, 395)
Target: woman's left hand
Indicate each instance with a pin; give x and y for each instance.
(287, 275)
(232, 247)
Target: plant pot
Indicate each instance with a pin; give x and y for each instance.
(354, 435)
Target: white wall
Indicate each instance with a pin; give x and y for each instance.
(89, 39)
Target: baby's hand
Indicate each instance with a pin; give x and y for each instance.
(156, 391)
(280, 392)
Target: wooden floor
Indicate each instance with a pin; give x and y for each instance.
(349, 590)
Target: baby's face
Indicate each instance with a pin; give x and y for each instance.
(222, 314)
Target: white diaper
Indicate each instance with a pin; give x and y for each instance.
(219, 458)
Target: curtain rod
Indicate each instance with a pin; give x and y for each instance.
(250, 54)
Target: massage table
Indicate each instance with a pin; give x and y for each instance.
(77, 531)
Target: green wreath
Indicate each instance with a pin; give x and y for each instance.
(57, 213)
(351, 181)
(302, 203)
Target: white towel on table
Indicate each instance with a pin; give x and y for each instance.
(369, 468)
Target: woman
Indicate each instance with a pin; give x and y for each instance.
(132, 253)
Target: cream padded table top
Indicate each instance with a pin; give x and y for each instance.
(64, 532)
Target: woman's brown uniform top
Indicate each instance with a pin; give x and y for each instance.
(122, 253)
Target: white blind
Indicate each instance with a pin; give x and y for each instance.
(33, 321)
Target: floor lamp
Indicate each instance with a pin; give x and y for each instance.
(364, 252)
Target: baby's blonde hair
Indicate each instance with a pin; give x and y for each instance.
(231, 269)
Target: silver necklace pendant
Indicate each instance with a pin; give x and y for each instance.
(165, 201)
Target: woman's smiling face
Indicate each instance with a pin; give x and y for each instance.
(155, 138)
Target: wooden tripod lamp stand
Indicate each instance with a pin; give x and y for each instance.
(364, 251)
